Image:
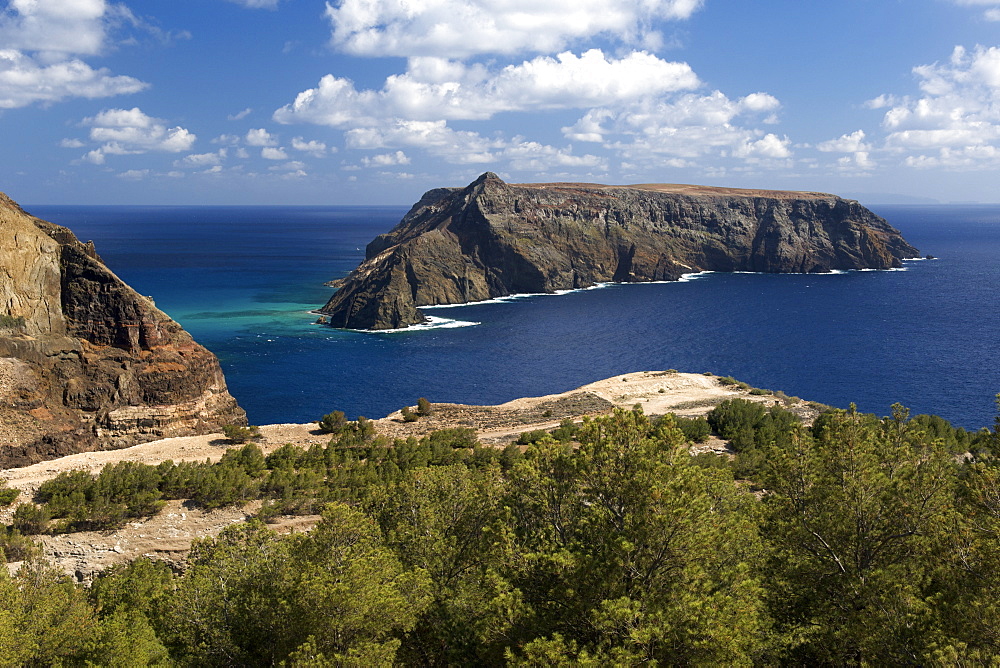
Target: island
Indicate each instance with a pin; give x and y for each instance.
(86, 362)
(492, 239)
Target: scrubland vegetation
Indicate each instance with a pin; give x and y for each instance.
(856, 540)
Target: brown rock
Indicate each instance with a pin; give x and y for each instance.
(87, 363)
(492, 239)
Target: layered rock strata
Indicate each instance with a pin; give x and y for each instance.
(492, 239)
(86, 362)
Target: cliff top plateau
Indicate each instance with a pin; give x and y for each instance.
(492, 239)
(87, 363)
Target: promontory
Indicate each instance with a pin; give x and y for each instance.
(87, 363)
(492, 239)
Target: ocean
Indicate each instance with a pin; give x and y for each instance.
(243, 281)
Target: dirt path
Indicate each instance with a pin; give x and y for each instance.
(168, 535)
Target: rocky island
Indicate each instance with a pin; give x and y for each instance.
(87, 363)
(492, 239)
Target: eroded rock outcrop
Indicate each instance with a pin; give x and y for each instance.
(85, 361)
(492, 239)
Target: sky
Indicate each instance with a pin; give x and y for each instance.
(376, 101)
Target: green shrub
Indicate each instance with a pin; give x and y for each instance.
(409, 415)
(454, 437)
(237, 434)
(757, 391)
(249, 458)
(566, 431)
(7, 495)
(424, 407)
(30, 519)
(11, 321)
(696, 430)
(16, 547)
(533, 436)
(333, 423)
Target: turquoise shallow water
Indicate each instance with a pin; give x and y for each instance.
(243, 279)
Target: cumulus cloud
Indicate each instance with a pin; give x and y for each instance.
(674, 132)
(260, 137)
(257, 4)
(955, 120)
(991, 11)
(55, 26)
(43, 42)
(315, 148)
(24, 81)
(435, 137)
(238, 116)
(845, 143)
(386, 160)
(637, 104)
(273, 153)
(435, 88)
(202, 159)
(131, 131)
(134, 174)
(461, 28)
(853, 143)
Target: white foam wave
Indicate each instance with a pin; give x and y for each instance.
(430, 322)
(521, 295)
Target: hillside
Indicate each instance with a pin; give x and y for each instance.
(492, 239)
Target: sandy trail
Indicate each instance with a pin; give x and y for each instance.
(168, 535)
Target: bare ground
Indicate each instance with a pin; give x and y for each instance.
(168, 535)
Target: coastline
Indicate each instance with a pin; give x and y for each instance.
(432, 322)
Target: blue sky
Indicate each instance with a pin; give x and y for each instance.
(376, 101)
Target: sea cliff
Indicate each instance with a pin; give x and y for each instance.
(492, 239)
(86, 362)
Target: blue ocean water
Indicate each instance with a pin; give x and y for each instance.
(242, 280)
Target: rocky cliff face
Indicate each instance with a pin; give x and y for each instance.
(86, 362)
(492, 239)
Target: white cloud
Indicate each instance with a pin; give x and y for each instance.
(228, 140)
(72, 143)
(260, 137)
(859, 162)
(769, 146)
(386, 160)
(433, 89)
(202, 159)
(851, 143)
(24, 81)
(529, 156)
(239, 115)
(272, 153)
(257, 4)
(435, 137)
(461, 28)
(315, 148)
(955, 121)
(290, 166)
(134, 174)
(54, 26)
(991, 11)
(130, 131)
(672, 132)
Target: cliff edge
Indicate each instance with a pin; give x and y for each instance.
(492, 239)
(87, 363)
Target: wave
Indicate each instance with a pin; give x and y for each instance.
(515, 297)
(430, 322)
